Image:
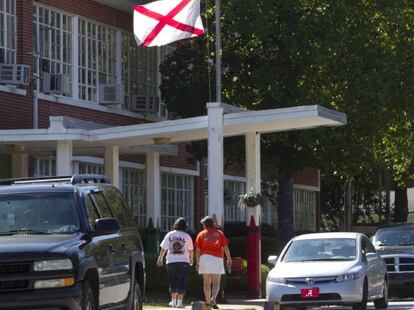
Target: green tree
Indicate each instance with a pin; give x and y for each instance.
(352, 56)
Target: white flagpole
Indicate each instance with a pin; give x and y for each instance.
(215, 140)
(218, 53)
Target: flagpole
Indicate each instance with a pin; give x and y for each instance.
(218, 52)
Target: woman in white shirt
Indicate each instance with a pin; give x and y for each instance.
(179, 248)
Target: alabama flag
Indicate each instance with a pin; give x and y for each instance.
(165, 21)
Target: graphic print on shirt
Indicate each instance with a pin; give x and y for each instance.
(177, 245)
(211, 241)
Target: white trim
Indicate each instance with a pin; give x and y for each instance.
(235, 178)
(94, 106)
(182, 171)
(128, 164)
(100, 161)
(75, 57)
(307, 187)
(13, 90)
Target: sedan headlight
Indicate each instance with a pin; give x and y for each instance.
(348, 277)
(51, 265)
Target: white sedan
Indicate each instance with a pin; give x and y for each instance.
(328, 269)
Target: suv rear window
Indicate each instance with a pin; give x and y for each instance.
(43, 212)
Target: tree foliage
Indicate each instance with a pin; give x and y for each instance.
(352, 56)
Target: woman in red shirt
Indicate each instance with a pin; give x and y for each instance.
(211, 245)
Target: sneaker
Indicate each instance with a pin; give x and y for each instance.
(172, 304)
(214, 305)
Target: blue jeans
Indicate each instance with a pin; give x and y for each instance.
(177, 274)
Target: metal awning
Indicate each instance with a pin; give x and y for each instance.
(86, 137)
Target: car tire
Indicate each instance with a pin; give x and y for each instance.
(88, 298)
(382, 303)
(363, 304)
(136, 297)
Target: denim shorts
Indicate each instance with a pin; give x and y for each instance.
(178, 274)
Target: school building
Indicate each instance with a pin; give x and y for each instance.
(72, 68)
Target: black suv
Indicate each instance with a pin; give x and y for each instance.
(395, 243)
(68, 243)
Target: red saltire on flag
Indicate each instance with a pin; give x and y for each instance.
(165, 21)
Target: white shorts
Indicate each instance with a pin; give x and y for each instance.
(210, 264)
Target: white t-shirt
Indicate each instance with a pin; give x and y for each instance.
(177, 243)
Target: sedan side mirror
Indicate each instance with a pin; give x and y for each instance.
(272, 259)
(107, 226)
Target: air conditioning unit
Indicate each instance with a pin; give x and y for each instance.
(145, 104)
(14, 74)
(110, 94)
(55, 83)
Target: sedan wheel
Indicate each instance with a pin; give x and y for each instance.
(363, 304)
(382, 303)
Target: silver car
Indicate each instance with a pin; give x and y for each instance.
(328, 269)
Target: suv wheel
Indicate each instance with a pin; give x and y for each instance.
(88, 299)
(137, 297)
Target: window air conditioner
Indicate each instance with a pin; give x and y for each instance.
(14, 74)
(110, 94)
(55, 83)
(144, 104)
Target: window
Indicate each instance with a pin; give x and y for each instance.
(97, 59)
(44, 167)
(177, 199)
(100, 202)
(117, 206)
(133, 188)
(8, 31)
(52, 41)
(51, 212)
(140, 73)
(304, 207)
(232, 190)
(269, 212)
(85, 168)
(92, 212)
(367, 246)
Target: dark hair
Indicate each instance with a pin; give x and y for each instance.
(180, 224)
(207, 222)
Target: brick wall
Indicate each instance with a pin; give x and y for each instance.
(47, 108)
(15, 111)
(307, 176)
(94, 10)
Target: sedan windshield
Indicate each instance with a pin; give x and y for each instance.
(41, 213)
(321, 250)
(397, 235)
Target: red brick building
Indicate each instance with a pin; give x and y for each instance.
(85, 65)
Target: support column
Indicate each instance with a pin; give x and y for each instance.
(253, 221)
(64, 158)
(215, 162)
(111, 164)
(153, 187)
(20, 165)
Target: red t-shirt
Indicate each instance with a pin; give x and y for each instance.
(211, 241)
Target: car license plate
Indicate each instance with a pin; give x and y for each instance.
(306, 293)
